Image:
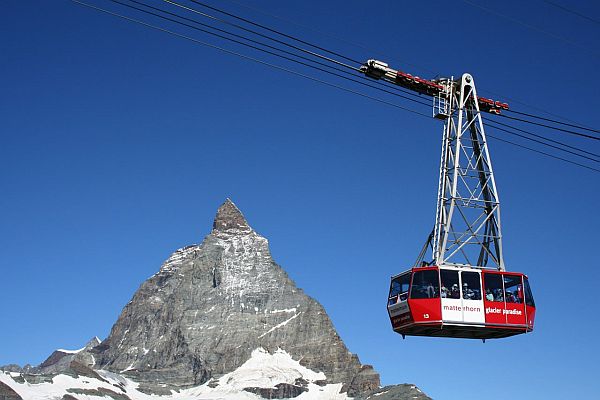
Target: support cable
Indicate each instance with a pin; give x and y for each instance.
(554, 121)
(543, 143)
(263, 35)
(340, 55)
(520, 22)
(360, 82)
(222, 31)
(331, 52)
(382, 83)
(328, 34)
(572, 11)
(551, 127)
(274, 31)
(541, 152)
(544, 138)
(529, 106)
(307, 76)
(280, 68)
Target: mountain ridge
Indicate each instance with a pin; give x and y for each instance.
(211, 309)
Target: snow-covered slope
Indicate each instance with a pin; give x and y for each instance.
(278, 372)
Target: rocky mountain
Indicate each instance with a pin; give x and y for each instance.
(61, 359)
(219, 320)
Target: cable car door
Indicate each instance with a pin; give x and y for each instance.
(461, 296)
(472, 301)
(451, 302)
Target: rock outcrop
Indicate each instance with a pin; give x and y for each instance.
(7, 393)
(60, 359)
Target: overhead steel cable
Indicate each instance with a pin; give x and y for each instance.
(330, 35)
(354, 44)
(285, 35)
(543, 143)
(382, 83)
(222, 31)
(303, 75)
(520, 22)
(360, 82)
(572, 11)
(263, 35)
(536, 107)
(256, 60)
(544, 138)
(550, 127)
(554, 121)
(363, 47)
(352, 79)
(542, 152)
(273, 30)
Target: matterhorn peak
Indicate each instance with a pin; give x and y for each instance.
(95, 341)
(229, 219)
(220, 320)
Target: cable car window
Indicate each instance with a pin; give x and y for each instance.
(471, 285)
(399, 289)
(450, 284)
(494, 291)
(528, 295)
(513, 288)
(425, 285)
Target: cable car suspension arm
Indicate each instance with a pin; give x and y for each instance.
(467, 229)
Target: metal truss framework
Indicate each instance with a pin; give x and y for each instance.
(467, 227)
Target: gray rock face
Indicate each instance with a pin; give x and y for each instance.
(211, 305)
(7, 393)
(280, 391)
(397, 392)
(60, 360)
(14, 368)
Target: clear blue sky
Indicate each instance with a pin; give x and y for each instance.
(119, 143)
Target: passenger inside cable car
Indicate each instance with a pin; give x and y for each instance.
(449, 284)
(471, 286)
(399, 289)
(425, 285)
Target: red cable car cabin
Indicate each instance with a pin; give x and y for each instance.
(460, 302)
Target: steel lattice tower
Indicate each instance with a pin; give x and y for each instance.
(467, 227)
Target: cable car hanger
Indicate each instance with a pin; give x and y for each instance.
(464, 291)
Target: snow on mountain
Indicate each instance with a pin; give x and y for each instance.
(70, 351)
(262, 370)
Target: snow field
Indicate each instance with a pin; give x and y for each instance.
(262, 370)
